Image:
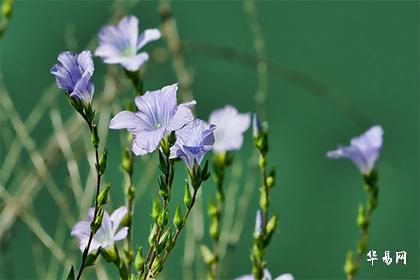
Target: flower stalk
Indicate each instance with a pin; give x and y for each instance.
(364, 216)
(265, 226)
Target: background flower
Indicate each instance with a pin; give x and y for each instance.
(119, 44)
(158, 115)
(73, 73)
(230, 126)
(193, 141)
(106, 235)
(363, 151)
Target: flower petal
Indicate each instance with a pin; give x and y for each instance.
(133, 63)
(121, 234)
(182, 116)
(146, 142)
(158, 106)
(129, 27)
(286, 276)
(117, 216)
(147, 36)
(128, 120)
(84, 89)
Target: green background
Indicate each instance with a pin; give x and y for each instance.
(366, 54)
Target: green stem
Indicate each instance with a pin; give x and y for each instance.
(98, 186)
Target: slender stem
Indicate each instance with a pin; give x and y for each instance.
(130, 206)
(266, 189)
(178, 230)
(92, 233)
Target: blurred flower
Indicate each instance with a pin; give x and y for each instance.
(158, 115)
(73, 73)
(119, 44)
(256, 125)
(193, 141)
(106, 235)
(267, 276)
(363, 151)
(230, 125)
(258, 223)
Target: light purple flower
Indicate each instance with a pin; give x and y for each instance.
(267, 276)
(119, 44)
(106, 235)
(158, 115)
(73, 73)
(363, 151)
(193, 141)
(258, 223)
(230, 126)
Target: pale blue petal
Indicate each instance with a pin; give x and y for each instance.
(128, 120)
(121, 234)
(129, 27)
(117, 216)
(286, 276)
(146, 142)
(133, 63)
(147, 36)
(182, 116)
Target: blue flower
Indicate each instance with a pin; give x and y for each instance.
(106, 235)
(267, 276)
(193, 141)
(230, 126)
(120, 43)
(363, 151)
(73, 73)
(158, 114)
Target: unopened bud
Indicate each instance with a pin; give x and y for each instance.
(103, 195)
(95, 136)
(155, 210)
(139, 261)
(178, 219)
(187, 197)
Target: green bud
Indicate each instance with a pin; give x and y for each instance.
(96, 224)
(362, 221)
(212, 209)
(95, 136)
(187, 197)
(262, 161)
(178, 219)
(103, 195)
(163, 240)
(349, 266)
(103, 162)
(130, 192)
(157, 265)
(163, 218)
(127, 162)
(214, 229)
(163, 188)
(156, 210)
(139, 261)
(152, 235)
(208, 257)
(263, 199)
(270, 228)
(169, 242)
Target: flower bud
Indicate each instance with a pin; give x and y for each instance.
(155, 210)
(187, 197)
(214, 229)
(178, 219)
(349, 266)
(127, 162)
(95, 136)
(103, 195)
(263, 199)
(256, 126)
(103, 162)
(96, 223)
(362, 221)
(163, 218)
(139, 261)
(152, 235)
(208, 256)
